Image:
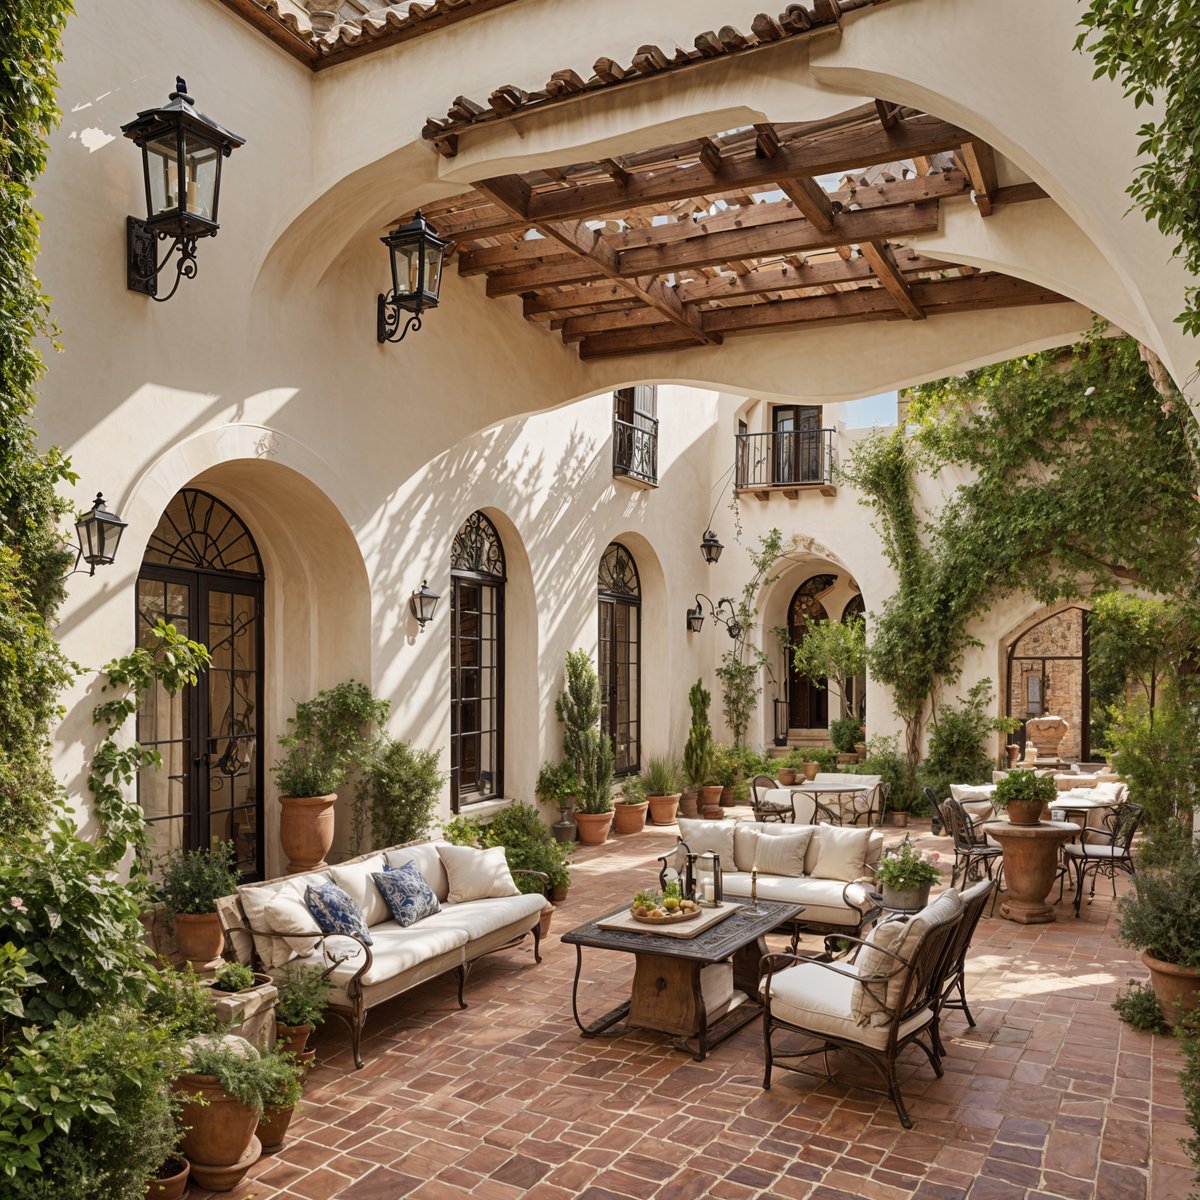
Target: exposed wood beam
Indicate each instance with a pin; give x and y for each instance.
(594, 296)
(811, 199)
(881, 261)
(980, 161)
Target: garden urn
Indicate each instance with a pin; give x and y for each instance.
(306, 830)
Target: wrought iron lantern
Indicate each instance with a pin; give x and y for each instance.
(416, 252)
(182, 151)
(711, 547)
(99, 533)
(695, 616)
(708, 879)
(423, 603)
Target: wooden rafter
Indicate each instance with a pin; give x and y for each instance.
(980, 162)
(881, 260)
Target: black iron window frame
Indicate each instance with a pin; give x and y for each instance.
(619, 591)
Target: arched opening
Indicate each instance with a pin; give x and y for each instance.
(202, 572)
(477, 578)
(619, 656)
(855, 686)
(808, 699)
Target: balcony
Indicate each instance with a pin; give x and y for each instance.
(635, 450)
(789, 462)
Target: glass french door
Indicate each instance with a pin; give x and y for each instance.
(797, 429)
(618, 661)
(211, 782)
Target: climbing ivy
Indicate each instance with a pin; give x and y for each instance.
(1078, 476)
(33, 559)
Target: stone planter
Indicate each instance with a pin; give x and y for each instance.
(594, 827)
(787, 776)
(306, 830)
(689, 803)
(564, 830)
(899, 818)
(1030, 866)
(273, 1126)
(294, 1037)
(220, 1142)
(908, 899)
(1177, 988)
(174, 1184)
(250, 1013)
(663, 809)
(199, 937)
(1024, 812)
(630, 818)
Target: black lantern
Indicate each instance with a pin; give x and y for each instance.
(417, 253)
(182, 151)
(99, 533)
(781, 721)
(423, 603)
(695, 618)
(711, 547)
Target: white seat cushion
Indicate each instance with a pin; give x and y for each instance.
(478, 918)
(818, 1001)
(355, 880)
(823, 899)
(394, 951)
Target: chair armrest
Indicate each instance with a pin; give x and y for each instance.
(771, 964)
(334, 961)
(529, 871)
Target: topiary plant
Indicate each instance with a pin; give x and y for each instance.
(698, 750)
(403, 786)
(586, 746)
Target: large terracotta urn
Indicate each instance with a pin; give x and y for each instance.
(689, 803)
(199, 938)
(1177, 988)
(594, 827)
(306, 830)
(663, 809)
(220, 1142)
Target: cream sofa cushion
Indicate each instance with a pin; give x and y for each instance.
(476, 874)
(842, 853)
(429, 863)
(704, 836)
(354, 878)
(871, 1001)
(395, 950)
(288, 916)
(781, 854)
(272, 951)
(478, 918)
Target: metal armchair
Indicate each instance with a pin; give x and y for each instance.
(764, 809)
(972, 850)
(1104, 851)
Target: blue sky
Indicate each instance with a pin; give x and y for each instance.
(871, 410)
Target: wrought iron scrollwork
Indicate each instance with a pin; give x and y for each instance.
(144, 266)
(388, 320)
(477, 549)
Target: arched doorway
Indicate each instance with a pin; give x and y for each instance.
(808, 699)
(620, 606)
(477, 577)
(202, 573)
(855, 687)
(1048, 676)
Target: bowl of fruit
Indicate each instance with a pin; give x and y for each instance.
(665, 908)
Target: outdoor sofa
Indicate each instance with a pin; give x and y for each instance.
(480, 912)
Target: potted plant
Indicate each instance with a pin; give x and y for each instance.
(698, 750)
(304, 994)
(284, 1087)
(587, 748)
(660, 780)
(726, 771)
(170, 1181)
(233, 977)
(1161, 919)
(1024, 795)
(403, 785)
(845, 733)
(905, 875)
(192, 883)
(900, 806)
(527, 844)
(327, 738)
(630, 810)
(558, 784)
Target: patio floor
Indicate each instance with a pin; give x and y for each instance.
(1048, 1096)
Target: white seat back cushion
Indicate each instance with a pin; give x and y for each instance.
(429, 863)
(841, 852)
(272, 951)
(288, 915)
(746, 835)
(704, 836)
(781, 854)
(355, 880)
(476, 874)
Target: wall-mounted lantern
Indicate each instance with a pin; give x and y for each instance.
(416, 252)
(423, 603)
(182, 151)
(99, 533)
(710, 547)
(695, 616)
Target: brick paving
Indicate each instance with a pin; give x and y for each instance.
(1048, 1096)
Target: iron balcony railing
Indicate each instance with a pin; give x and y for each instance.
(635, 448)
(785, 459)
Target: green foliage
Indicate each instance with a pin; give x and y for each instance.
(16, 976)
(660, 776)
(1162, 914)
(180, 1003)
(1188, 1033)
(33, 557)
(885, 760)
(85, 1111)
(233, 977)
(304, 995)
(557, 784)
(78, 924)
(170, 662)
(586, 747)
(845, 733)
(1138, 1006)
(833, 651)
(403, 786)
(1152, 50)
(957, 750)
(824, 756)
(698, 750)
(725, 768)
(194, 880)
(250, 1077)
(528, 846)
(633, 791)
(904, 867)
(1024, 785)
(461, 831)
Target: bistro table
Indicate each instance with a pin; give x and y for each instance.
(1030, 866)
(666, 993)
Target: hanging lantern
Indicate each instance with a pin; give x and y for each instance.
(416, 253)
(711, 547)
(695, 618)
(99, 533)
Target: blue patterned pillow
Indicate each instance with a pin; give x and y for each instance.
(335, 912)
(407, 894)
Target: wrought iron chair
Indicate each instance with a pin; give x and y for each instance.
(871, 805)
(809, 809)
(764, 809)
(824, 1000)
(972, 850)
(937, 824)
(1104, 851)
(954, 983)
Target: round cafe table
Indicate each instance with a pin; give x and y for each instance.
(1030, 866)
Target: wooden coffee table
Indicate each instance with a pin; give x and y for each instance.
(666, 993)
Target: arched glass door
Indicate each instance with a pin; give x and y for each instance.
(202, 573)
(808, 699)
(619, 666)
(477, 575)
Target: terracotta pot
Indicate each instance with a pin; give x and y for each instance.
(273, 1125)
(712, 812)
(594, 827)
(810, 770)
(689, 803)
(630, 818)
(787, 776)
(663, 809)
(220, 1142)
(710, 794)
(727, 796)
(294, 1037)
(544, 919)
(860, 748)
(171, 1186)
(1177, 988)
(844, 759)
(899, 818)
(306, 830)
(199, 937)
(908, 899)
(308, 1060)
(260, 979)
(1014, 752)
(1024, 812)
(558, 893)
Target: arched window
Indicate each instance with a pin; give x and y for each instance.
(202, 572)
(477, 575)
(808, 699)
(620, 604)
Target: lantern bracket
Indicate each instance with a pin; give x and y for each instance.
(389, 320)
(142, 258)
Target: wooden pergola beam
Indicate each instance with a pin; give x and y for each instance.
(811, 199)
(880, 259)
(980, 161)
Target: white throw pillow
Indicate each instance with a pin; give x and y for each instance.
(288, 916)
(782, 853)
(841, 852)
(704, 836)
(425, 855)
(271, 950)
(355, 879)
(870, 1002)
(476, 874)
